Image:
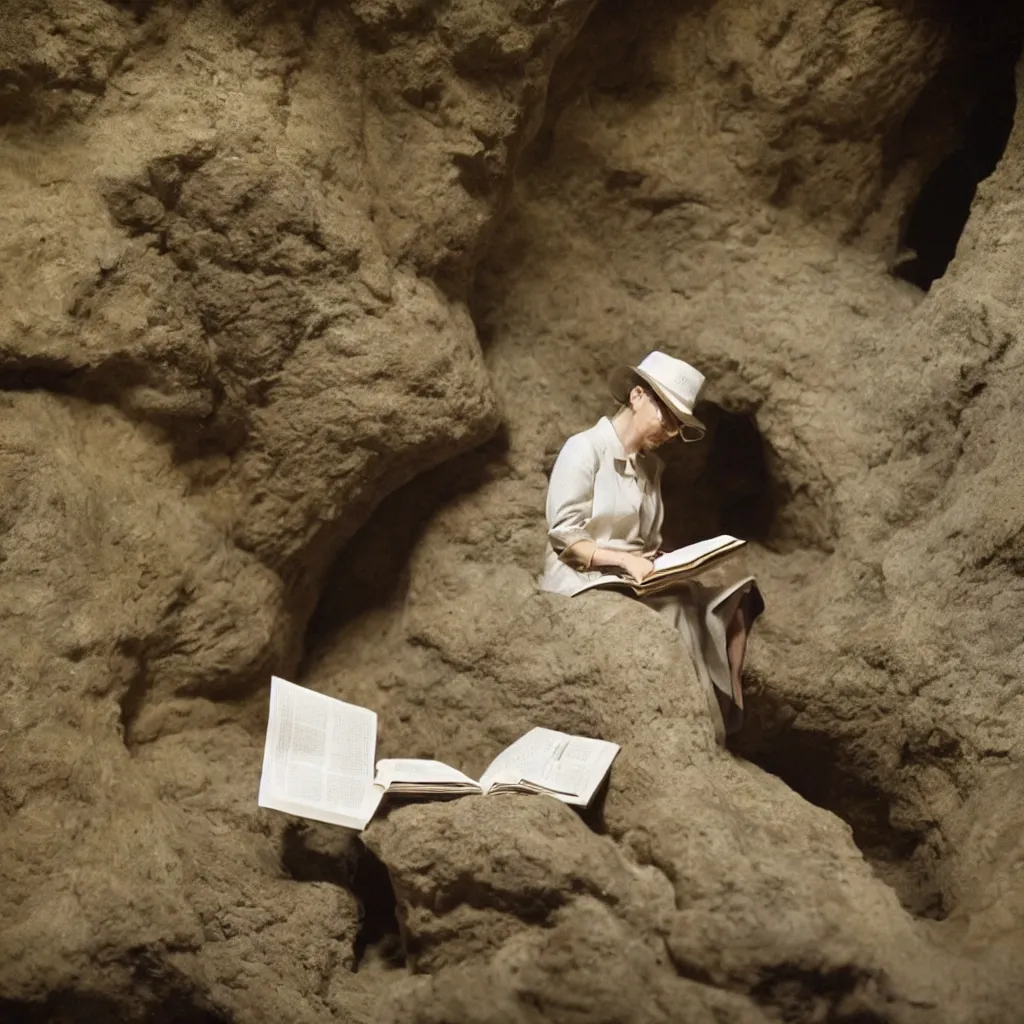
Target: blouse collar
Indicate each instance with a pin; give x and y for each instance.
(630, 463)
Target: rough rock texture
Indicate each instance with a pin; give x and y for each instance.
(299, 302)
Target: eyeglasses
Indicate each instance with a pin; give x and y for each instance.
(669, 423)
(672, 426)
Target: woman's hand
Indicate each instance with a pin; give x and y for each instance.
(637, 566)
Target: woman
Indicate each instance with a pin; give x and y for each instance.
(604, 513)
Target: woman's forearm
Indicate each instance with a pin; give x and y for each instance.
(586, 554)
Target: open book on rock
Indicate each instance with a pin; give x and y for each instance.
(675, 566)
(318, 763)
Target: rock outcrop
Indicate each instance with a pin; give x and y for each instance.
(299, 303)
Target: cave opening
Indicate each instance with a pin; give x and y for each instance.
(937, 217)
(723, 485)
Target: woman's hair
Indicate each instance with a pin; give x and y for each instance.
(650, 393)
(637, 381)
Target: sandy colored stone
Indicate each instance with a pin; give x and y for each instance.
(517, 865)
(586, 966)
(299, 302)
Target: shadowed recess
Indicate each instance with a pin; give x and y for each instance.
(800, 996)
(67, 1006)
(374, 565)
(721, 485)
(940, 212)
(312, 852)
(380, 932)
(813, 765)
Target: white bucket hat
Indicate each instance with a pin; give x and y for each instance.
(676, 383)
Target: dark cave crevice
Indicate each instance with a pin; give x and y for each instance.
(380, 932)
(314, 853)
(939, 214)
(148, 1004)
(738, 472)
(812, 764)
(311, 853)
(799, 995)
(729, 483)
(136, 684)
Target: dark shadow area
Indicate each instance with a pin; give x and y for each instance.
(374, 565)
(939, 214)
(811, 764)
(311, 852)
(800, 995)
(719, 485)
(593, 814)
(380, 931)
(322, 853)
(136, 688)
(70, 1006)
(224, 431)
(139, 8)
(42, 373)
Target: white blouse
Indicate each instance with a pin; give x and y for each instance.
(598, 493)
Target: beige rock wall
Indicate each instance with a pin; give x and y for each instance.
(264, 264)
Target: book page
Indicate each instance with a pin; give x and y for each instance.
(693, 552)
(420, 772)
(576, 769)
(569, 768)
(529, 753)
(318, 757)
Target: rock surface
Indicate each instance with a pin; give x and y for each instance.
(299, 302)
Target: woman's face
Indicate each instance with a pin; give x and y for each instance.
(653, 421)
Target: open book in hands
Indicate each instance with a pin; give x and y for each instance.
(675, 566)
(318, 763)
